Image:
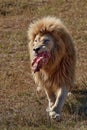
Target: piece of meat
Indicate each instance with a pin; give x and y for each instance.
(40, 60)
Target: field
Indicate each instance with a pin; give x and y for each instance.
(20, 106)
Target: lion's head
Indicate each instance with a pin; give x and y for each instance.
(48, 35)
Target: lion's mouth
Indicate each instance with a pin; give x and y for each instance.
(40, 60)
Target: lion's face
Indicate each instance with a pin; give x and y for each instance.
(46, 51)
(42, 43)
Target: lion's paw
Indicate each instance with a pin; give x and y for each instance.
(55, 116)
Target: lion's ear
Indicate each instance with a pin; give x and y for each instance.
(51, 28)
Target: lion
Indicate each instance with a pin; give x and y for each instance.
(53, 59)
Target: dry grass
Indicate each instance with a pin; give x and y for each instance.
(20, 108)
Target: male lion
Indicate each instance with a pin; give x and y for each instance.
(52, 56)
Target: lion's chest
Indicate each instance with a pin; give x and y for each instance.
(46, 81)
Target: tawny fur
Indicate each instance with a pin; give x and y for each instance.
(60, 70)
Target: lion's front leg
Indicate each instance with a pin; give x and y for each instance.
(51, 99)
(55, 110)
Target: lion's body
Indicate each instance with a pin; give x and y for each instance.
(57, 77)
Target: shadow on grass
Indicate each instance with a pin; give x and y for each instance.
(77, 103)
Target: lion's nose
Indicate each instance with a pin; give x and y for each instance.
(36, 49)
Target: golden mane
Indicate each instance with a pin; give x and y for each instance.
(46, 24)
(54, 26)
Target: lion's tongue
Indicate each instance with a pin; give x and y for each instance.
(40, 60)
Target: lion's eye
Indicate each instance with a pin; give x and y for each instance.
(35, 40)
(46, 41)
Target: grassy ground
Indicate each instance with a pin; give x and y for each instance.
(20, 108)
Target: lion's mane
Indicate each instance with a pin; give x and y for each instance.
(60, 70)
